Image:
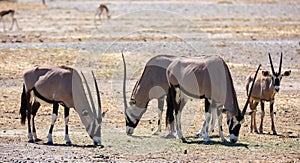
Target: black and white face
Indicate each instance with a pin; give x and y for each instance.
(276, 78)
(133, 115)
(234, 125)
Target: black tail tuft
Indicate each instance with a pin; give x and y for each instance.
(24, 106)
(171, 104)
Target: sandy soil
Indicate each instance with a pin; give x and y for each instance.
(66, 33)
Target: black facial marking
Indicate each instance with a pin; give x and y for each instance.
(236, 130)
(277, 81)
(130, 123)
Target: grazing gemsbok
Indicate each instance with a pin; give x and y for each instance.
(204, 77)
(13, 19)
(151, 85)
(100, 10)
(60, 85)
(265, 88)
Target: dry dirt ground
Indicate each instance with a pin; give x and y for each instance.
(67, 33)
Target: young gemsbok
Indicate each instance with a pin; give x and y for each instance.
(60, 85)
(265, 88)
(205, 77)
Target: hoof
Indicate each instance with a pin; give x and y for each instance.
(260, 132)
(31, 141)
(207, 140)
(274, 133)
(37, 140)
(183, 140)
(156, 133)
(170, 136)
(68, 143)
(49, 143)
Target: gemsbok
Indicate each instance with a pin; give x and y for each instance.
(204, 77)
(151, 85)
(10, 12)
(265, 88)
(64, 86)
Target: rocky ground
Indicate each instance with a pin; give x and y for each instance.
(67, 33)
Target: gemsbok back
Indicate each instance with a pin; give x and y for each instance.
(60, 85)
(204, 77)
(265, 88)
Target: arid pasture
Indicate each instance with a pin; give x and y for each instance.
(66, 33)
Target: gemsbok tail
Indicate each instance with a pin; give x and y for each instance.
(171, 104)
(24, 105)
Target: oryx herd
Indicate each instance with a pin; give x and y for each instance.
(175, 77)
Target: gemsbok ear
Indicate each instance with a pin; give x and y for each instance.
(287, 73)
(266, 73)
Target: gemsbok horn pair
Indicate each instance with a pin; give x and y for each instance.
(205, 77)
(60, 85)
(265, 88)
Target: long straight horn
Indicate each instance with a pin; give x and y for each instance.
(250, 92)
(280, 64)
(98, 98)
(273, 71)
(90, 95)
(124, 83)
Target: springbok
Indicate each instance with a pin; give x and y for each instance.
(60, 85)
(204, 77)
(265, 88)
(13, 19)
(100, 10)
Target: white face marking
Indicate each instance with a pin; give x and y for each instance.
(97, 140)
(135, 113)
(129, 130)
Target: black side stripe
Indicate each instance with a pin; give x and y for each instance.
(37, 94)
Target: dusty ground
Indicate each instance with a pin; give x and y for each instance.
(66, 33)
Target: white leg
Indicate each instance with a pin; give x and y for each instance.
(220, 117)
(207, 120)
(67, 138)
(178, 125)
(30, 137)
(160, 110)
(54, 117)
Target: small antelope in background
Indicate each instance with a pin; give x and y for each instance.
(100, 10)
(9, 12)
(265, 87)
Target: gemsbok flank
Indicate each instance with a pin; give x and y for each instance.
(204, 77)
(152, 84)
(10, 12)
(265, 88)
(60, 85)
